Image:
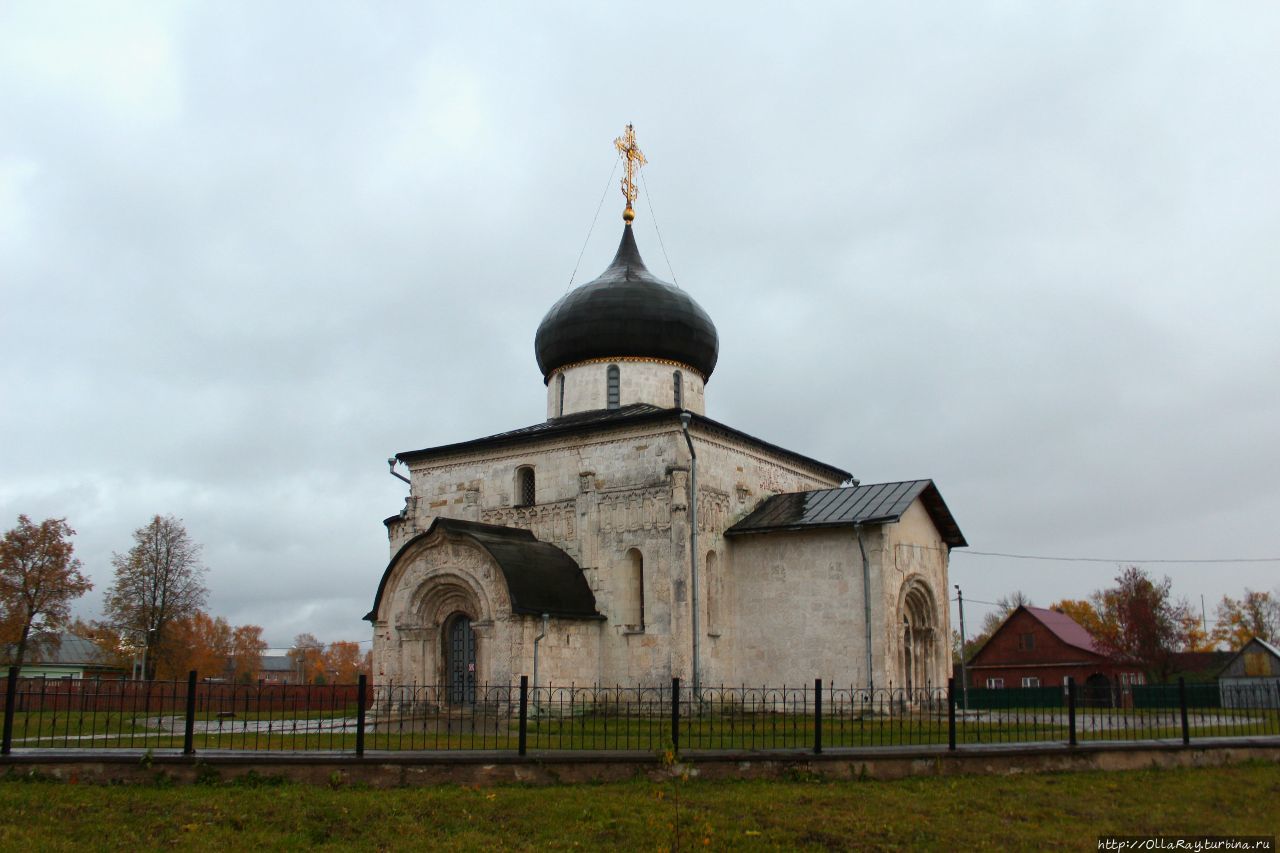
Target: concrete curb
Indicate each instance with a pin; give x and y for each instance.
(390, 769)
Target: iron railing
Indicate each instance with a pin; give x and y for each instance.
(190, 715)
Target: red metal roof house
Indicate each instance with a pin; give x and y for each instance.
(1037, 647)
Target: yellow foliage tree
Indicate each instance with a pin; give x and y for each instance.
(342, 663)
(1239, 620)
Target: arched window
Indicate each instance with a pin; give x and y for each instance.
(526, 487)
(679, 386)
(633, 606)
(614, 385)
(560, 395)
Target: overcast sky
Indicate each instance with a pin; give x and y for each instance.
(1030, 250)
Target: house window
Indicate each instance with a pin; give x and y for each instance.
(995, 683)
(1027, 642)
(560, 395)
(679, 389)
(526, 487)
(614, 384)
(1030, 681)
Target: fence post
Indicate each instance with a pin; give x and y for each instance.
(951, 713)
(10, 700)
(524, 714)
(362, 699)
(675, 715)
(1071, 709)
(817, 716)
(189, 734)
(1182, 703)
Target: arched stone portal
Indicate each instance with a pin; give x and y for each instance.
(452, 608)
(918, 620)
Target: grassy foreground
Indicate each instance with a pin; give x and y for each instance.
(1064, 811)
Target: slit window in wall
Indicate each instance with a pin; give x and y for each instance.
(679, 389)
(560, 396)
(633, 616)
(526, 487)
(615, 382)
(715, 590)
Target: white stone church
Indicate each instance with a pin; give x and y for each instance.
(574, 533)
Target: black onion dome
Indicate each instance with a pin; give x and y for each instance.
(627, 312)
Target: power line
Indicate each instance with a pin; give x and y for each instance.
(654, 216)
(607, 184)
(1113, 560)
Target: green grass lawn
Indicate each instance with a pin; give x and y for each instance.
(1060, 811)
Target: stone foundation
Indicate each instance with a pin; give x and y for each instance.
(386, 770)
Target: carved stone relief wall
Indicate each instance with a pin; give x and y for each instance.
(632, 510)
(552, 522)
(713, 510)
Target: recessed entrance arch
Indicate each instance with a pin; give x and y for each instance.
(460, 659)
(918, 637)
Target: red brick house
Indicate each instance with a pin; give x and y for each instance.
(1035, 647)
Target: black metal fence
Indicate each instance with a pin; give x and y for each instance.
(192, 716)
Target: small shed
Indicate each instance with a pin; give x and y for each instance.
(1251, 679)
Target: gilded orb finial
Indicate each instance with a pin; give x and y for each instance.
(627, 149)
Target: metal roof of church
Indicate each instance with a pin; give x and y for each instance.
(540, 577)
(584, 422)
(878, 503)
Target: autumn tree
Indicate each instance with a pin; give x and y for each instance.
(1141, 622)
(342, 662)
(200, 642)
(158, 582)
(247, 647)
(1083, 613)
(39, 577)
(1239, 620)
(307, 655)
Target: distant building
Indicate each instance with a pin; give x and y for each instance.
(1251, 679)
(278, 669)
(1197, 666)
(1036, 647)
(69, 656)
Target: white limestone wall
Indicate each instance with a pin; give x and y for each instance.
(798, 608)
(600, 497)
(915, 553)
(597, 499)
(639, 381)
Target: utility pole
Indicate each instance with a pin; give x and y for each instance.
(964, 676)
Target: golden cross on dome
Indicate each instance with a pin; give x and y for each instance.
(627, 148)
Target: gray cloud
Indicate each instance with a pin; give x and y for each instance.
(247, 253)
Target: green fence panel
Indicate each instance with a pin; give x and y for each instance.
(1016, 697)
